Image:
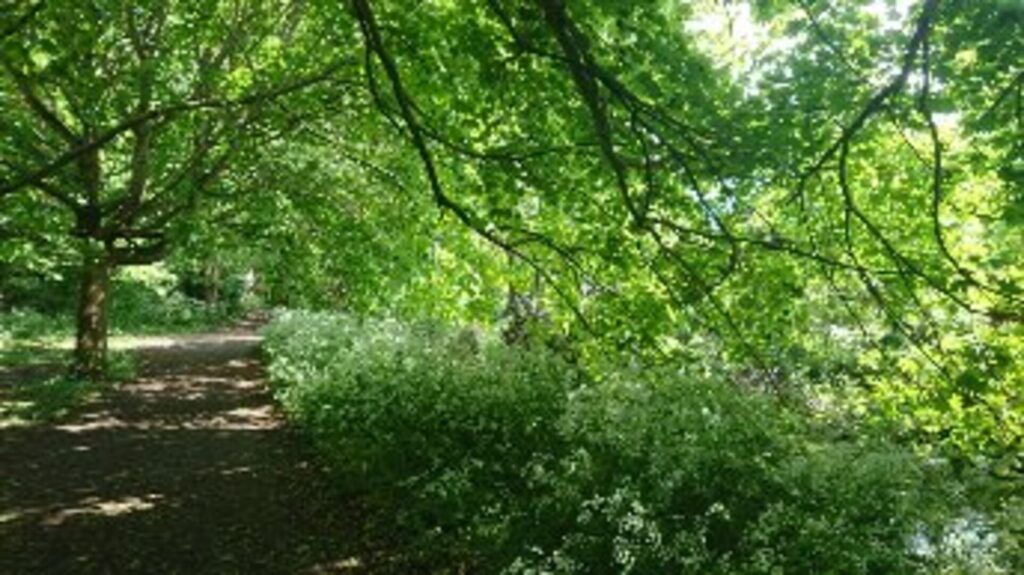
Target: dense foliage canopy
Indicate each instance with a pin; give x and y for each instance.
(817, 201)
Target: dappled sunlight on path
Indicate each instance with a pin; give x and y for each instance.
(187, 469)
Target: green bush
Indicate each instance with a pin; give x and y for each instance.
(122, 366)
(23, 324)
(437, 424)
(497, 459)
(143, 300)
(146, 299)
(24, 335)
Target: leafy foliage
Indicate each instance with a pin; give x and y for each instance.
(818, 202)
(510, 460)
(31, 402)
(144, 300)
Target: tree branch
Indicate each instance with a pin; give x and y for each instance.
(164, 113)
(38, 106)
(22, 21)
(371, 34)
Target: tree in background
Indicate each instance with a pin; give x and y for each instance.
(120, 117)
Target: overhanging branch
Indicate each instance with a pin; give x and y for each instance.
(406, 108)
(162, 114)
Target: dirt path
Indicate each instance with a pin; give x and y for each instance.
(186, 470)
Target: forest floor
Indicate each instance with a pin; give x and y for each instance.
(187, 469)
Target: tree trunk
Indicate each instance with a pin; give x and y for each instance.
(213, 284)
(93, 295)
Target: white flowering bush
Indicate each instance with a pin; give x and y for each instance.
(498, 459)
(674, 476)
(440, 423)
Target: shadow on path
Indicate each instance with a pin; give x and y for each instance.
(186, 470)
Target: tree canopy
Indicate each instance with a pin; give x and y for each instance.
(791, 192)
(818, 202)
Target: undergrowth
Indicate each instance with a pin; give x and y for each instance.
(481, 457)
(33, 401)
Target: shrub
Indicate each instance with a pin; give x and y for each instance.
(504, 459)
(677, 476)
(25, 337)
(144, 301)
(24, 324)
(122, 365)
(438, 424)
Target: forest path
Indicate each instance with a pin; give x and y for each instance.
(188, 469)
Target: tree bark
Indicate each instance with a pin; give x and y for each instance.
(213, 284)
(93, 298)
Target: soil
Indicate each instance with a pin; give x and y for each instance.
(188, 469)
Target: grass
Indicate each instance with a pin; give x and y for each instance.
(33, 353)
(36, 343)
(30, 338)
(36, 348)
(39, 402)
(31, 401)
